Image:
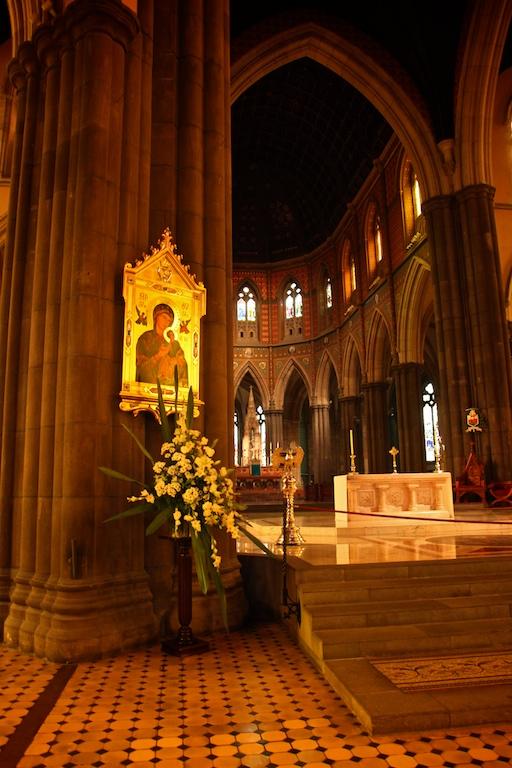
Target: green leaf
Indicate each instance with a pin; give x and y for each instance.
(190, 408)
(136, 509)
(256, 541)
(216, 579)
(200, 559)
(164, 421)
(140, 445)
(119, 476)
(158, 521)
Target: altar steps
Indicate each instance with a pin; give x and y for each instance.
(355, 616)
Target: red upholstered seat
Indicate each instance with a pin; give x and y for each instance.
(471, 482)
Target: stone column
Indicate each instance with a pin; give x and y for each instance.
(25, 77)
(350, 412)
(87, 593)
(474, 357)
(321, 448)
(452, 342)
(274, 419)
(376, 427)
(410, 422)
(190, 192)
(490, 364)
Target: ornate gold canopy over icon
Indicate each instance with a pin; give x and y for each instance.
(164, 304)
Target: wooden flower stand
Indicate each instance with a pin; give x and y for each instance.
(184, 643)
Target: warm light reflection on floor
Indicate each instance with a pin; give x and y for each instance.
(473, 532)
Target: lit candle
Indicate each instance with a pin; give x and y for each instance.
(351, 443)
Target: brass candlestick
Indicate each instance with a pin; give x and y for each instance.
(437, 451)
(353, 469)
(290, 535)
(394, 453)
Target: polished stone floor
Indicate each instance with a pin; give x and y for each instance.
(254, 699)
(473, 532)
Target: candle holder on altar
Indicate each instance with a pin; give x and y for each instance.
(394, 453)
(353, 470)
(437, 451)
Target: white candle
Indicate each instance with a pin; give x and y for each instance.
(351, 443)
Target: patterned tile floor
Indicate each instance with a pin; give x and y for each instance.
(252, 700)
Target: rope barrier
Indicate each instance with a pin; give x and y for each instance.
(308, 508)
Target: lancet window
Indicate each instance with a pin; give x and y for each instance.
(411, 203)
(430, 424)
(374, 247)
(246, 314)
(348, 268)
(293, 307)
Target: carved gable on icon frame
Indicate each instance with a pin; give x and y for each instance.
(164, 304)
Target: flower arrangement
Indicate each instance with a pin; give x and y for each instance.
(190, 494)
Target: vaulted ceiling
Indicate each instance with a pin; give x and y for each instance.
(304, 140)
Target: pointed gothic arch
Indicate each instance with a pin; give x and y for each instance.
(240, 374)
(282, 381)
(415, 312)
(378, 352)
(351, 369)
(480, 58)
(402, 108)
(322, 379)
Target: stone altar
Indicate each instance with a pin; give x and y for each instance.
(425, 495)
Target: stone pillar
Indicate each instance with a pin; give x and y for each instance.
(191, 182)
(80, 589)
(25, 78)
(350, 413)
(474, 358)
(452, 343)
(321, 448)
(410, 422)
(376, 427)
(490, 364)
(190, 193)
(274, 420)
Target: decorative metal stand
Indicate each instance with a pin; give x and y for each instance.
(353, 470)
(394, 453)
(291, 607)
(290, 534)
(184, 643)
(437, 451)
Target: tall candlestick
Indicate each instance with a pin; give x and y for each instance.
(351, 442)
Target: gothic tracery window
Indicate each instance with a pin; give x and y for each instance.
(246, 314)
(328, 293)
(374, 247)
(430, 425)
(293, 308)
(411, 203)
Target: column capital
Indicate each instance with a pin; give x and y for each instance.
(85, 17)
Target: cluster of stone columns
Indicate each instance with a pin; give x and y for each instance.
(90, 192)
(71, 587)
(472, 337)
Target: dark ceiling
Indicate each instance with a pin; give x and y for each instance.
(303, 143)
(304, 140)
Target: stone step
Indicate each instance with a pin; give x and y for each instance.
(345, 615)
(404, 570)
(381, 707)
(332, 592)
(411, 640)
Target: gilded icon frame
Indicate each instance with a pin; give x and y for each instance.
(164, 304)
